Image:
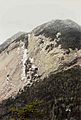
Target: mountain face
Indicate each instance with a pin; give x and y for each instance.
(10, 66)
(43, 65)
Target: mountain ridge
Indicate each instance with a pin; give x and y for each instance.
(43, 65)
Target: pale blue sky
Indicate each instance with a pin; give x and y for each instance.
(24, 15)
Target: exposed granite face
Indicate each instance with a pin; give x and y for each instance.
(11, 65)
(48, 68)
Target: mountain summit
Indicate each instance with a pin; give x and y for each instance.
(43, 65)
(71, 32)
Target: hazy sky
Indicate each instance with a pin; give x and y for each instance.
(24, 15)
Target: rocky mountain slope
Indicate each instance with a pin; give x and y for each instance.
(10, 66)
(43, 65)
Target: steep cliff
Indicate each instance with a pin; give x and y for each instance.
(43, 65)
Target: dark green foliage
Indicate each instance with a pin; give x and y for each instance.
(29, 111)
(60, 92)
(67, 108)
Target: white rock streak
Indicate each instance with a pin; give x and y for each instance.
(58, 35)
(24, 58)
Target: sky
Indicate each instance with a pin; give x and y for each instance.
(24, 15)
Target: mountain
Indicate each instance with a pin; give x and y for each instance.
(40, 73)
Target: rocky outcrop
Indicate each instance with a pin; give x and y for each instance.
(47, 67)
